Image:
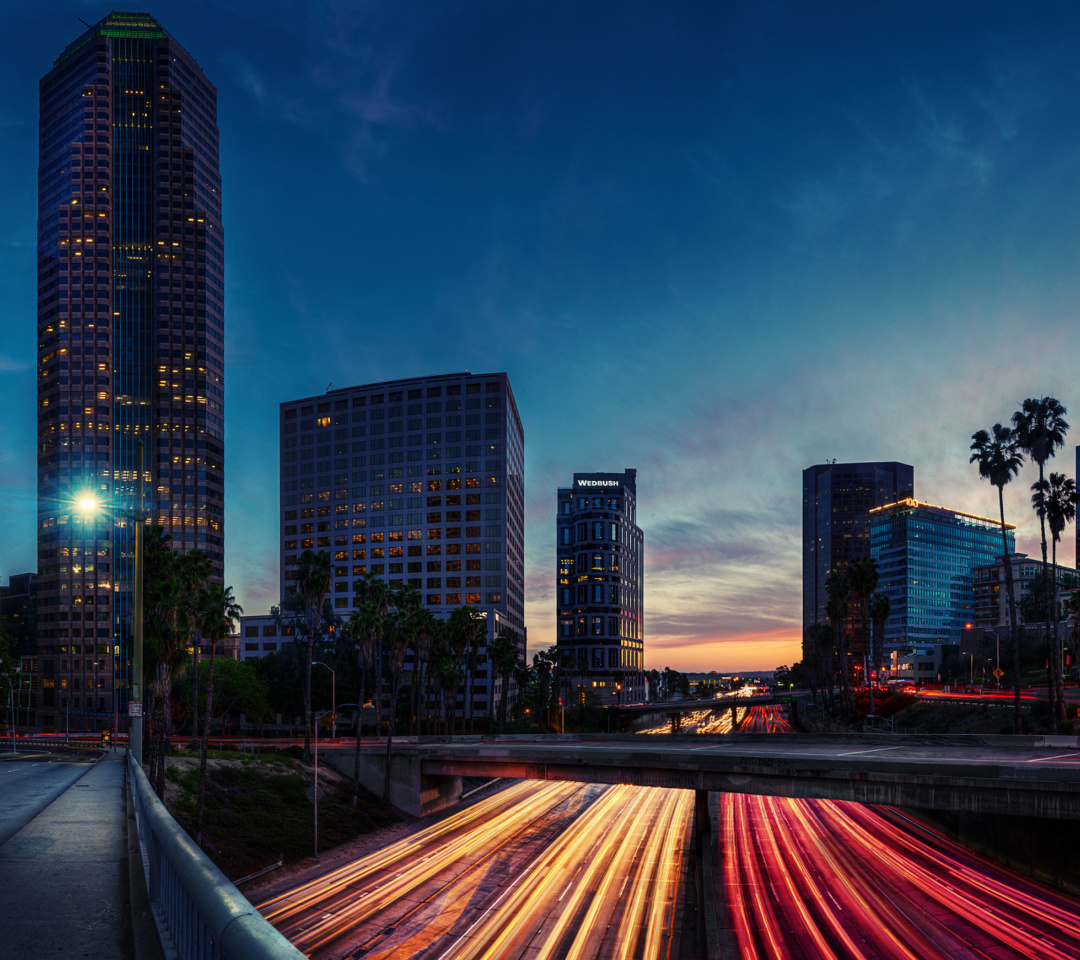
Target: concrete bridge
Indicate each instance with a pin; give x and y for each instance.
(983, 775)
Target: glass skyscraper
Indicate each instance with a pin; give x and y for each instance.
(421, 482)
(600, 586)
(925, 556)
(130, 341)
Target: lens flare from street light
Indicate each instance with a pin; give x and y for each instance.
(88, 504)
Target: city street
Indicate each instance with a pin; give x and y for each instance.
(30, 781)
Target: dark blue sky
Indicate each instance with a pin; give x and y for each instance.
(714, 241)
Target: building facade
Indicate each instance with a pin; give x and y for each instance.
(421, 482)
(992, 596)
(837, 500)
(926, 556)
(600, 586)
(130, 341)
(18, 612)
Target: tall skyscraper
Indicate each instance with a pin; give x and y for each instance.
(600, 586)
(421, 482)
(130, 340)
(837, 500)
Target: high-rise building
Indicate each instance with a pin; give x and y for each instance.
(421, 482)
(837, 500)
(925, 557)
(130, 340)
(600, 585)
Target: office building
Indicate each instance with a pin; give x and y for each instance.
(926, 556)
(261, 634)
(18, 612)
(600, 586)
(837, 500)
(992, 595)
(130, 340)
(421, 482)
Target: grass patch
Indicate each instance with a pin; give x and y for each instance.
(256, 810)
(929, 717)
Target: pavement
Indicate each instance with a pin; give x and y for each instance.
(64, 875)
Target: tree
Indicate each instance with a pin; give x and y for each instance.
(999, 460)
(365, 624)
(880, 607)
(376, 591)
(836, 609)
(818, 653)
(465, 630)
(172, 583)
(1055, 499)
(862, 579)
(1039, 427)
(313, 579)
(407, 603)
(504, 656)
(426, 628)
(215, 612)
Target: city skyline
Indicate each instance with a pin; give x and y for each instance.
(746, 240)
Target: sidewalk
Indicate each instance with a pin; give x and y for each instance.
(64, 876)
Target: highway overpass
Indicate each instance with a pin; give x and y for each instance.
(989, 775)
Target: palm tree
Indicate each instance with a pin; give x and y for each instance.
(216, 611)
(465, 628)
(999, 460)
(365, 624)
(407, 603)
(503, 654)
(1039, 427)
(376, 591)
(1055, 501)
(173, 581)
(862, 577)
(837, 610)
(313, 579)
(880, 608)
(426, 627)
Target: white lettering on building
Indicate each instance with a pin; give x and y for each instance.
(597, 483)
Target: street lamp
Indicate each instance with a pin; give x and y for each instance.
(333, 697)
(11, 711)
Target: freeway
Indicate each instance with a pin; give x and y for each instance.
(537, 871)
(563, 870)
(821, 880)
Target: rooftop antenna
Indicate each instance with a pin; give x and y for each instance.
(329, 385)
(84, 23)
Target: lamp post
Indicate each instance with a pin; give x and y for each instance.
(333, 697)
(11, 712)
(997, 665)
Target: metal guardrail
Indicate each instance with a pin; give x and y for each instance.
(198, 913)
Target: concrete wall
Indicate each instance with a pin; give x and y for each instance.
(1042, 849)
(410, 791)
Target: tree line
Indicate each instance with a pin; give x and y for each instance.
(1036, 432)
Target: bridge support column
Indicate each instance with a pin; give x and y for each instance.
(707, 864)
(410, 790)
(676, 722)
(734, 718)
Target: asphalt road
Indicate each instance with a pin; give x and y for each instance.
(31, 781)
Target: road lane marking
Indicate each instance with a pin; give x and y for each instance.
(852, 753)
